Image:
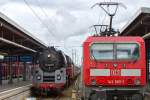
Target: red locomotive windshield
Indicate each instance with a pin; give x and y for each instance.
(114, 51)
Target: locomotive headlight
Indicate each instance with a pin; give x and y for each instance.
(58, 77)
(93, 82)
(38, 77)
(137, 82)
(49, 55)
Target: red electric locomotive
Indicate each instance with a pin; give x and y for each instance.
(114, 68)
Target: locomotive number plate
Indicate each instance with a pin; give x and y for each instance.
(115, 82)
(115, 72)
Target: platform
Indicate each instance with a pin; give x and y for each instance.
(7, 87)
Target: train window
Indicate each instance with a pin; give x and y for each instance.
(110, 51)
(102, 51)
(127, 51)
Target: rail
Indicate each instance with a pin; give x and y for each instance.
(14, 92)
(57, 98)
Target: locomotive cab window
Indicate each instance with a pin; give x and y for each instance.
(127, 51)
(114, 51)
(102, 51)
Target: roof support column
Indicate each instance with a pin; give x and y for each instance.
(10, 72)
(24, 71)
(0, 72)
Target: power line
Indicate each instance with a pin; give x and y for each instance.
(38, 17)
(42, 9)
(104, 18)
(99, 18)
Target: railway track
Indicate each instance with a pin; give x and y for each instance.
(57, 98)
(16, 94)
(70, 93)
(23, 93)
(76, 92)
(46, 98)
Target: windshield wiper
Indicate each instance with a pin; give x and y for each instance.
(134, 59)
(94, 59)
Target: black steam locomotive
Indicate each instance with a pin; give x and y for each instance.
(50, 74)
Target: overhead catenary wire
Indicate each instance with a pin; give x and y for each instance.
(43, 23)
(103, 20)
(42, 9)
(99, 18)
(44, 12)
(104, 17)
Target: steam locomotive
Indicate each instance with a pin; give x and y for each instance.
(54, 72)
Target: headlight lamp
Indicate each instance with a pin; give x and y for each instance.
(137, 82)
(93, 82)
(58, 77)
(49, 55)
(38, 77)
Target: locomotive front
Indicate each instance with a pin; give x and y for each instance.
(51, 73)
(114, 67)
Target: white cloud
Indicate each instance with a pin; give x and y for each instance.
(68, 21)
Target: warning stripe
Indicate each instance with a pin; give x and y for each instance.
(106, 72)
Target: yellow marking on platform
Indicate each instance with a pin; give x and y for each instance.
(73, 94)
(31, 98)
(73, 91)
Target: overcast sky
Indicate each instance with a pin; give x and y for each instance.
(65, 23)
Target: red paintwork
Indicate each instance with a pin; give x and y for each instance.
(51, 85)
(69, 71)
(103, 80)
(17, 69)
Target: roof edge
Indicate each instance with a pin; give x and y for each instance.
(7, 19)
(141, 10)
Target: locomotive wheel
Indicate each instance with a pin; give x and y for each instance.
(96, 96)
(137, 97)
(86, 93)
(93, 97)
(35, 91)
(58, 91)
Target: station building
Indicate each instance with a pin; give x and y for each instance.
(18, 49)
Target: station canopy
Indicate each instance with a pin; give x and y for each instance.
(15, 40)
(139, 25)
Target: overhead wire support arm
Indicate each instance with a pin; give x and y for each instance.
(100, 30)
(102, 5)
